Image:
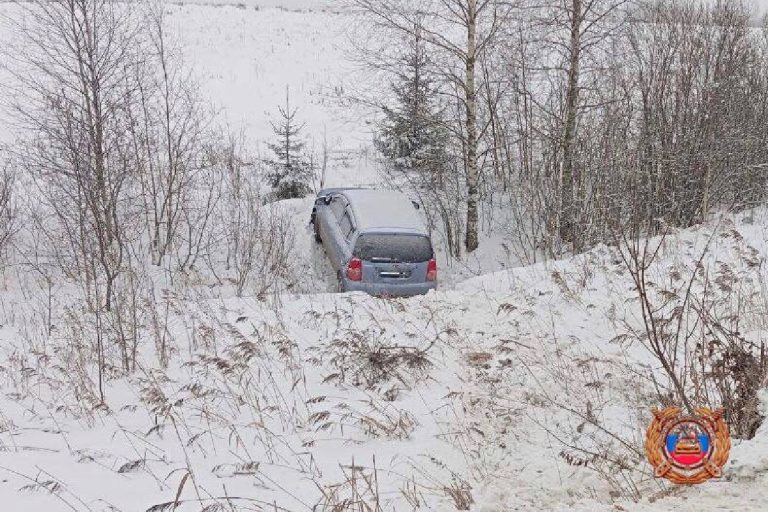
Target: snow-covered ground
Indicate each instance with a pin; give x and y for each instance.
(248, 58)
(317, 400)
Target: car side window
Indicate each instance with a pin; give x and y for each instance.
(346, 225)
(337, 207)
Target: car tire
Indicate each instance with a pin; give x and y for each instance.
(339, 283)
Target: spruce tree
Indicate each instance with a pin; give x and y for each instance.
(412, 135)
(290, 172)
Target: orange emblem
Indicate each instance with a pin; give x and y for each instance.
(687, 449)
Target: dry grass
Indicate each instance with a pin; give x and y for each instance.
(367, 360)
(358, 491)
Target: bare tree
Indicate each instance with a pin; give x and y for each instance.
(258, 237)
(74, 86)
(265, 253)
(615, 98)
(169, 132)
(699, 77)
(320, 170)
(575, 41)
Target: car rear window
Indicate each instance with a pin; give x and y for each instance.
(391, 247)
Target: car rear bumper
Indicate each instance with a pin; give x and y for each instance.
(390, 289)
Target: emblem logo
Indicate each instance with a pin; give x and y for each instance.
(687, 449)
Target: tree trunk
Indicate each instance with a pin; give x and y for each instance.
(470, 93)
(568, 182)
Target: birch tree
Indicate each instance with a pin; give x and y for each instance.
(580, 32)
(7, 208)
(74, 87)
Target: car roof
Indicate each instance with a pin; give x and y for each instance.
(332, 190)
(384, 211)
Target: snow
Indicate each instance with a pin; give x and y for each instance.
(281, 386)
(286, 5)
(275, 402)
(383, 210)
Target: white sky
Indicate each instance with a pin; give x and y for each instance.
(761, 5)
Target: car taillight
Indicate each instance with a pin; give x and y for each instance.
(355, 270)
(432, 270)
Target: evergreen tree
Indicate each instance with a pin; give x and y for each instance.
(289, 172)
(412, 136)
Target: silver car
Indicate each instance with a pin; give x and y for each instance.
(375, 241)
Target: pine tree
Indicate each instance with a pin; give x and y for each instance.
(289, 172)
(412, 136)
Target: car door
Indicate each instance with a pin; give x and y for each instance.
(324, 218)
(331, 233)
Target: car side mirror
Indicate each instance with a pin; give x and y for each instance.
(415, 204)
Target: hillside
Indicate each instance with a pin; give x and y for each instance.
(414, 404)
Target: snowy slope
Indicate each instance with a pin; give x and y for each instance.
(277, 402)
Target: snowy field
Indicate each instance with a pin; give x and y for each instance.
(318, 401)
(247, 57)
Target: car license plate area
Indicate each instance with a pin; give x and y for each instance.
(394, 274)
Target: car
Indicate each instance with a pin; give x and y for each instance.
(375, 240)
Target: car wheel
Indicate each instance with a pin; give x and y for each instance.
(340, 283)
(317, 232)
